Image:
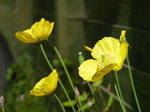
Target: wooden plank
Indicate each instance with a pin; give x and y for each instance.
(15, 15)
(69, 28)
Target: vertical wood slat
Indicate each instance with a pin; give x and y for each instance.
(69, 27)
(15, 15)
(24, 13)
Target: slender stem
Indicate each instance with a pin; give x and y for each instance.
(66, 94)
(60, 103)
(89, 85)
(119, 98)
(96, 99)
(114, 96)
(50, 65)
(90, 88)
(80, 105)
(119, 89)
(68, 76)
(45, 56)
(102, 98)
(67, 73)
(132, 84)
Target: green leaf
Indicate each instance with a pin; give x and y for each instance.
(97, 83)
(69, 104)
(84, 96)
(109, 103)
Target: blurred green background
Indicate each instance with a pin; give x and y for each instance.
(77, 23)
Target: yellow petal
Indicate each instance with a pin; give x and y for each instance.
(37, 88)
(121, 56)
(46, 85)
(24, 37)
(108, 45)
(88, 48)
(42, 29)
(87, 69)
(50, 83)
(39, 31)
(100, 73)
(122, 36)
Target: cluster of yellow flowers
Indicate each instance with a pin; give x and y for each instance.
(40, 31)
(108, 53)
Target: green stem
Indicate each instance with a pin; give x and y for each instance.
(67, 73)
(66, 94)
(45, 56)
(132, 84)
(96, 99)
(80, 105)
(68, 76)
(50, 65)
(118, 91)
(81, 59)
(118, 95)
(60, 103)
(90, 88)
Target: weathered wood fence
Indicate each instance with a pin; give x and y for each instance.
(80, 22)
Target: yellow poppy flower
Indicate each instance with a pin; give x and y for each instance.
(109, 54)
(39, 31)
(46, 85)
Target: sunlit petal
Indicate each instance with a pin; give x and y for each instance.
(39, 31)
(108, 45)
(46, 85)
(87, 69)
(42, 29)
(122, 36)
(88, 48)
(120, 57)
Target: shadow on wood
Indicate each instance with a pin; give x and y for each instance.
(5, 59)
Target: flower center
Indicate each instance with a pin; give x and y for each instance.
(105, 60)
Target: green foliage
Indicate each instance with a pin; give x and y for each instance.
(109, 103)
(21, 80)
(97, 83)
